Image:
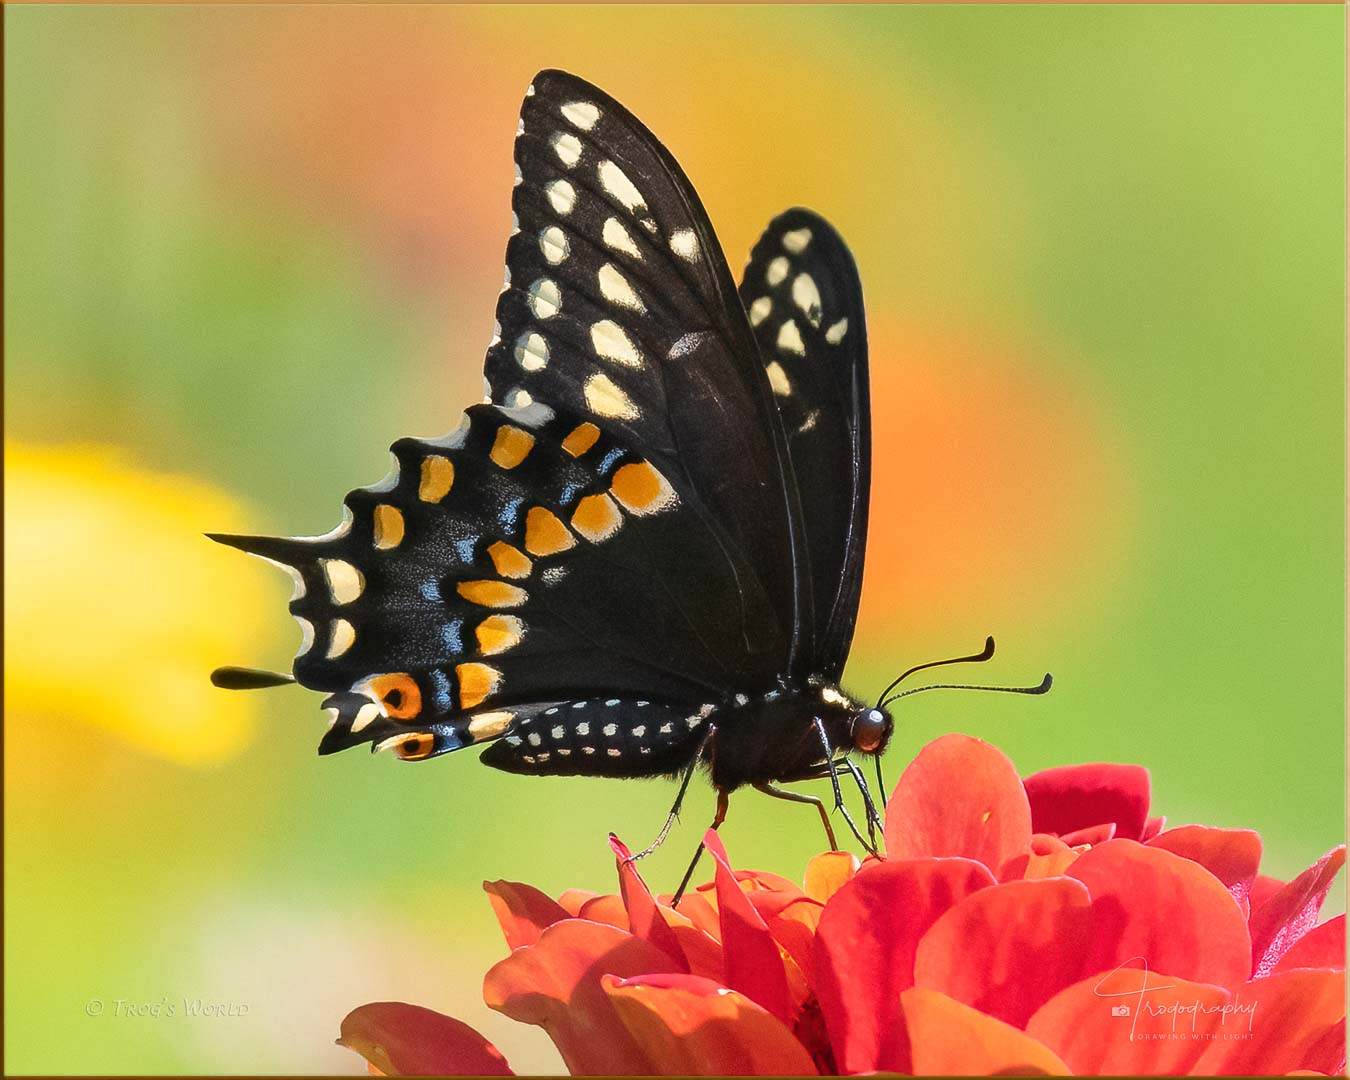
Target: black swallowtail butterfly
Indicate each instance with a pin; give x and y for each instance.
(644, 550)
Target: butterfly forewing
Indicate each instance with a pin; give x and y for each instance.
(804, 301)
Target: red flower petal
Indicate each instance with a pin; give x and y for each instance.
(698, 909)
(522, 910)
(952, 1039)
(753, 965)
(827, 873)
(1009, 949)
(1291, 912)
(1081, 1024)
(1296, 1021)
(693, 1027)
(1168, 910)
(1072, 797)
(1321, 947)
(644, 917)
(408, 1040)
(1093, 834)
(1152, 827)
(1231, 855)
(555, 983)
(864, 953)
(959, 797)
(791, 922)
(1263, 888)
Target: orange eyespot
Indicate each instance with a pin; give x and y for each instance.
(399, 694)
(869, 730)
(415, 747)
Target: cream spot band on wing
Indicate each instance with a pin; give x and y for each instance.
(581, 113)
(616, 183)
(608, 400)
(345, 582)
(532, 351)
(807, 297)
(489, 725)
(796, 240)
(611, 342)
(778, 379)
(790, 338)
(684, 243)
(617, 238)
(438, 477)
(759, 310)
(567, 146)
(561, 195)
(545, 298)
(342, 638)
(777, 271)
(835, 334)
(553, 244)
(616, 288)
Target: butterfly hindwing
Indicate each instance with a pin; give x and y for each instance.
(803, 297)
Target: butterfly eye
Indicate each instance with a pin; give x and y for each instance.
(398, 693)
(869, 729)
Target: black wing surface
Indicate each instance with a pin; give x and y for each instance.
(804, 300)
(615, 524)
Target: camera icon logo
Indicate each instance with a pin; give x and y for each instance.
(1120, 1010)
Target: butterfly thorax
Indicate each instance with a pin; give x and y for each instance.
(778, 736)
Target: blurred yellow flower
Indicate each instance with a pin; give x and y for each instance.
(116, 606)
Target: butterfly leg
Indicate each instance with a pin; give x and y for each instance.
(718, 818)
(674, 812)
(874, 821)
(838, 793)
(798, 797)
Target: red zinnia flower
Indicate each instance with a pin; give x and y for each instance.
(1014, 927)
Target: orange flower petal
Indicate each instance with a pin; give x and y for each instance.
(644, 917)
(1126, 1022)
(1231, 855)
(1009, 949)
(827, 873)
(1321, 947)
(952, 1039)
(1172, 912)
(606, 908)
(1296, 1020)
(555, 983)
(571, 900)
(959, 797)
(522, 910)
(699, 910)
(864, 953)
(693, 1027)
(408, 1040)
(753, 965)
(1073, 797)
(1278, 923)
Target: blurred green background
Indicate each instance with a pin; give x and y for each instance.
(248, 247)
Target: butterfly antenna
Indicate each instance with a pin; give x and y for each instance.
(978, 658)
(242, 678)
(1043, 688)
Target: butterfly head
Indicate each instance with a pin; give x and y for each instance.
(871, 729)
